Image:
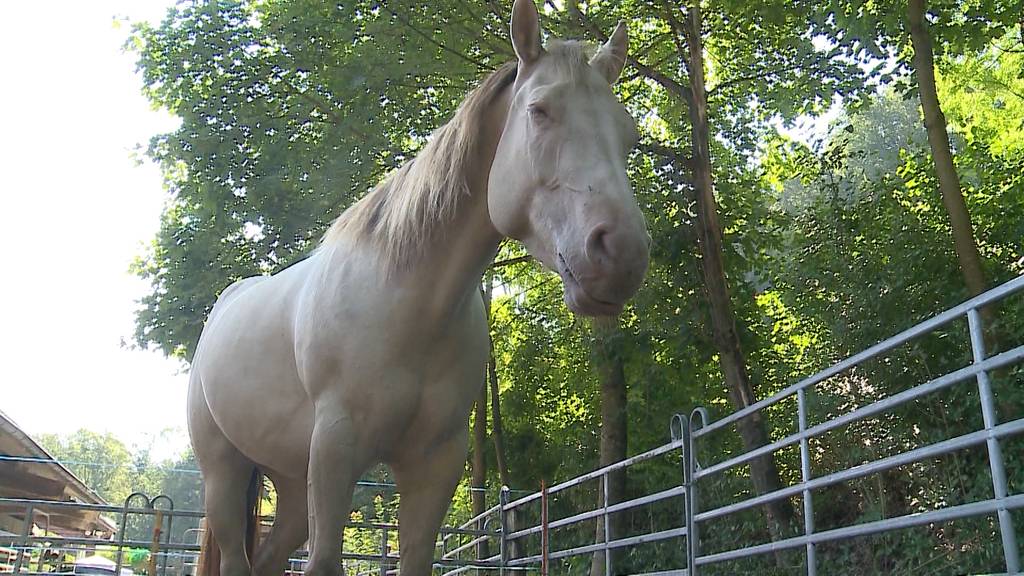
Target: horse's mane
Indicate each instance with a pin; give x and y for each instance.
(408, 204)
(400, 212)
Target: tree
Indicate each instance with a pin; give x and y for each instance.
(865, 254)
(607, 352)
(771, 258)
(763, 471)
(935, 123)
(290, 111)
(101, 461)
(114, 471)
(276, 132)
(478, 465)
(957, 28)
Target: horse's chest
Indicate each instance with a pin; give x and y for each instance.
(397, 387)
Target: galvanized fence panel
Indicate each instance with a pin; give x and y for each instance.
(990, 436)
(168, 557)
(691, 432)
(528, 534)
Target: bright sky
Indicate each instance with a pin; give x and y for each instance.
(76, 209)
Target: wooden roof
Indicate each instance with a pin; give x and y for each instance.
(27, 470)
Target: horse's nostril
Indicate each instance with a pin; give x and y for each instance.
(598, 245)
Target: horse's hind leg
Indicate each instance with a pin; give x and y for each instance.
(226, 477)
(291, 524)
(226, 484)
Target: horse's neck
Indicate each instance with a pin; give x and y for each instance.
(454, 260)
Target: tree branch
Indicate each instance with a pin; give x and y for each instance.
(1000, 84)
(673, 86)
(317, 103)
(752, 77)
(477, 27)
(327, 110)
(638, 74)
(511, 261)
(666, 152)
(677, 34)
(480, 65)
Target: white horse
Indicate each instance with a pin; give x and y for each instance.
(372, 350)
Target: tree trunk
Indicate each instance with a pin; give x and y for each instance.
(607, 359)
(938, 140)
(752, 431)
(478, 482)
(492, 377)
(479, 464)
(497, 430)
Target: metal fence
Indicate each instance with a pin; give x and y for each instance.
(976, 372)
(545, 531)
(371, 547)
(698, 477)
(49, 553)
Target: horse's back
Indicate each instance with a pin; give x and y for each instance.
(245, 369)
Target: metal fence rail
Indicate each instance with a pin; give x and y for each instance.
(513, 537)
(179, 558)
(1001, 502)
(688, 432)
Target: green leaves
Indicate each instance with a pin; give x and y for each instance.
(291, 110)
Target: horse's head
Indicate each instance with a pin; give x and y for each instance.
(558, 182)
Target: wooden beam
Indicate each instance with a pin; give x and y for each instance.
(16, 478)
(61, 521)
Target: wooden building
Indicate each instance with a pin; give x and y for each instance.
(29, 471)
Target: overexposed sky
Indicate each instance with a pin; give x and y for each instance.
(75, 209)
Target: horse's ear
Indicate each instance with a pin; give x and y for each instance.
(611, 57)
(526, 31)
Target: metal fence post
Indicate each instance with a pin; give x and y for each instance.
(170, 524)
(692, 532)
(805, 475)
(154, 547)
(26, 531)
(607, 525)
(384, 552)
(679, 430)
(544, 543)
(503, 535)
(995, 454)
(124, 527)
(120, 536)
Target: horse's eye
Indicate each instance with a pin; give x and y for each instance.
(538, 112)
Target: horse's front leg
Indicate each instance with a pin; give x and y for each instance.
(336, 460)
(426, 481)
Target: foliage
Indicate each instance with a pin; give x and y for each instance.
(113, 471)
(100, 460)
(291, 110)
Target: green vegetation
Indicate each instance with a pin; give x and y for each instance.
(114, 471)
(773, 256)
